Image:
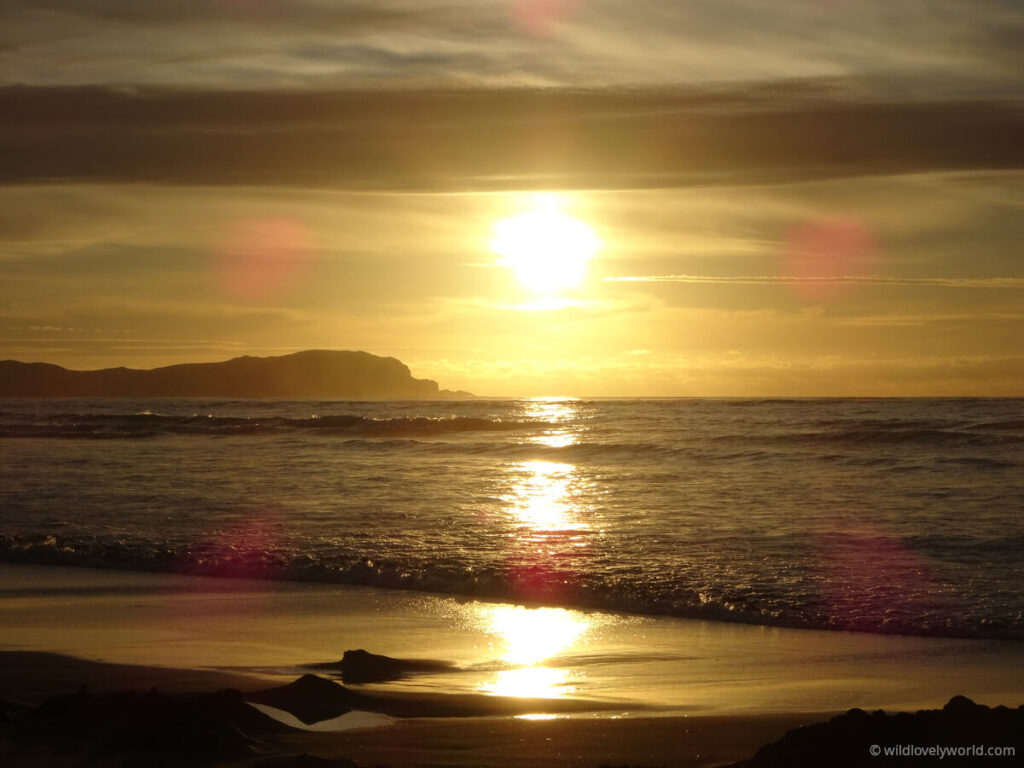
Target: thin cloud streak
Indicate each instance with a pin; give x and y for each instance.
(938, 282)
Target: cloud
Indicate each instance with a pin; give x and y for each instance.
(933, 46)
(505, 139)
(936, 282)
(738, 375)
(923, 320)
(292, 13)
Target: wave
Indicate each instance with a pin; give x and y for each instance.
(660, 596)
(931, 435)
(980, 462)
(143, 425)
(862, 446)
(1006, 424)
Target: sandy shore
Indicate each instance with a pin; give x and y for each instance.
(594, 688)
(700, 740)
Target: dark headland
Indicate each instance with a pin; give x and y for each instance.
(313, 373)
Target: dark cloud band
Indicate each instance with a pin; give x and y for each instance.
(487, 139)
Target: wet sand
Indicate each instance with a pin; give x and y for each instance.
(595, 688)
(491, 737)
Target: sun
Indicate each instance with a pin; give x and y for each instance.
(547, 249)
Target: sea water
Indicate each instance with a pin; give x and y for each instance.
(878, 515)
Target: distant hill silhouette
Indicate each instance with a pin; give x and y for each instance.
(314, 373)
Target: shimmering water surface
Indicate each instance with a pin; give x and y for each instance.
(876, 515)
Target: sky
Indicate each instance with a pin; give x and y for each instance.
(790, 198)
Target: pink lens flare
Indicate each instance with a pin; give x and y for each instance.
(869, 580)
(263, 257)
(540, 17)
(537, 581)
(821, 254)
(242, 550)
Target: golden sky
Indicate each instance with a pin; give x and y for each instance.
(775, 199)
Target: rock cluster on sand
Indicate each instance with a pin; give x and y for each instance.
(310, 698)
(306, 761)
(853, 739)
(155, 727)
(161, 730)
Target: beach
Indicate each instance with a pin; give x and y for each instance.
(576, 688)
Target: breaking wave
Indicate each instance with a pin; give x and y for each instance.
(897, 613)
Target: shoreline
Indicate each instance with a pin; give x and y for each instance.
(529, 686)
(718, 616)
(650, 664)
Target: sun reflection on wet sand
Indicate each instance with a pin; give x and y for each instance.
(528, 637)
(531, 635)
(531, 683)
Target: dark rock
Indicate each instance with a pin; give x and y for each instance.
(305, 761)
(310, 698)
(149, 728)
(364, 667)
(961, 705)
(10, 711)
(859, 740)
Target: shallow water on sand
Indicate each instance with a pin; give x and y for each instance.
(632, 665)
(888, 516)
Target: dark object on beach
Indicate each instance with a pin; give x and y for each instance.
(9, 711)
(305, 761)
(310, 698)
(152, 729)
(364, 667)
(861, 740)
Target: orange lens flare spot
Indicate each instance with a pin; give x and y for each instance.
(263, 257)
(540, 17)
(820, 253)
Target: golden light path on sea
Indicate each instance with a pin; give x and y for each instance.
(545, 520)
(558, 412)
(540, 501)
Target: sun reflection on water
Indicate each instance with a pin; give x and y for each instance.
(547, 529)
(559, 412)
(540, 501)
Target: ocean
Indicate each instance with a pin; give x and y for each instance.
(897, 516)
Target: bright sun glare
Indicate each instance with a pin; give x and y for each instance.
(547, 249)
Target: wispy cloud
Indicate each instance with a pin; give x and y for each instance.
(938, 282)
(930, 44)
